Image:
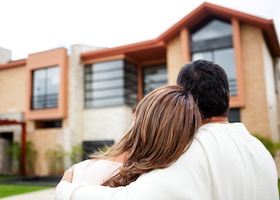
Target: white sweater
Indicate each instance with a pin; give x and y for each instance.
(95, 172)
(224, 162)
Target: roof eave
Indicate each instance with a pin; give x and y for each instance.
(16, 63)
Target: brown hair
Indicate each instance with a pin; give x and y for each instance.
(165, 124)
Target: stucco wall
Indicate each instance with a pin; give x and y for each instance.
(255, 113)
(174, 60)
(12, 89)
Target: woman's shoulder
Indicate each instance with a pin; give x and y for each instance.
(95, 172)
(96, 163)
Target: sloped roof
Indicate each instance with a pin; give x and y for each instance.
(207, 10)
(200, 14)
(141, 49)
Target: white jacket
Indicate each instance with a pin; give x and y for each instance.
(224, 162)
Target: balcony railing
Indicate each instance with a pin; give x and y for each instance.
(44, 101)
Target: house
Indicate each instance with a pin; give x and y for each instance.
(87, 98)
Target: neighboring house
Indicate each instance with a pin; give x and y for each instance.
(90, 95)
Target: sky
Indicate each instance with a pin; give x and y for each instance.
(32, 26)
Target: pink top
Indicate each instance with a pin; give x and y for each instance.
(95, 172)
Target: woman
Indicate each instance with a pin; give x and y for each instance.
(165, 123)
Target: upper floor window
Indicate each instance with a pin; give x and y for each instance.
(214, 42)
(111, 83)
(154, 77)
(215, 29)
(45, 88)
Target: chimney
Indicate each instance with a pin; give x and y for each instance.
(5, 55)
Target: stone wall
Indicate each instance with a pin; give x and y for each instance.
(255, 113)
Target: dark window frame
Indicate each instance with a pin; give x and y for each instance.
(47, 100)
(145, 69)
(126, 82)
(212, 45)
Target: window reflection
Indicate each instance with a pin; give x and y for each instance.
(225, 58)
(110, 83)
(154, 77)
(45, 88)
(214, 29)
(213, 42)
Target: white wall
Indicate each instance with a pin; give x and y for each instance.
(271, 93)
(106, 123)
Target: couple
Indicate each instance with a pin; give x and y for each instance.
(181, 146)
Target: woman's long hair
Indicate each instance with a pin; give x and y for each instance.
(165, 124)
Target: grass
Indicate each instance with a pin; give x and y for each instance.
(9, 190)
(279, 186)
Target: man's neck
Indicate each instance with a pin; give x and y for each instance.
(219, 119)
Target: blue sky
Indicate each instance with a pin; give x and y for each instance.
(32, 26)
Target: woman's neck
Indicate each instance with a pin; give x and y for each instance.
(119, 158)
(220, 119)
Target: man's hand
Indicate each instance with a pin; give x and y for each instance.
(68, 175)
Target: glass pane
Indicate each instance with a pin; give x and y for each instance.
(225, 58)
(202, 55)
(88, 77)
(88, 68)
(45, 88)
(154, 77)
(107, 66)
(105, 84)
(130, 67)
(234, 115)
(52, 80)
(108, 75)
(214, 29)
(104, 93)
(131, 95)
(39, 87)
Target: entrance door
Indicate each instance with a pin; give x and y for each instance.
(6, 140)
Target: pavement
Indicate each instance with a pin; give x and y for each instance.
(47, 194)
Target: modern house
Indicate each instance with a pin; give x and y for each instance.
(55, 99)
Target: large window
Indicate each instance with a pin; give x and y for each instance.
(214, 42)
(154, 77)
(111, 83)
(45, 88)
(234, 115)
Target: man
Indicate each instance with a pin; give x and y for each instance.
(224, 162)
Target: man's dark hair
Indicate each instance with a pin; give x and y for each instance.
(208, 83)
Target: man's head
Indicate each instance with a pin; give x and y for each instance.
(208, 83)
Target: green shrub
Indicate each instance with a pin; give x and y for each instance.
(271, 146)
(55, 160)
(31, 157)
(14, 152)
(76, 153)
